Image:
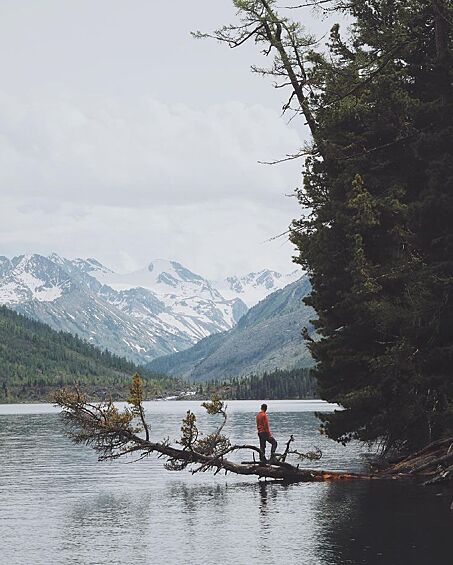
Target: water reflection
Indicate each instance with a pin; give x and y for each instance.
(384, 522)
(121, 520)
(262, 485)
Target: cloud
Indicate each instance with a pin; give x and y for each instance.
(89, 166)
(127, 181)
(214, 239)
(142, 153)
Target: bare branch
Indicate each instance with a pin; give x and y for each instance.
(306, 5)
(319, 4)
(288, 157)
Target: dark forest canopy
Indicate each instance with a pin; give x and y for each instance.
(280, 384)
(377, 240)
(35, 360)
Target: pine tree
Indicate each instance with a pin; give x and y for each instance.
(378, 242)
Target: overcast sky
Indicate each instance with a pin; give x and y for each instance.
(122, 138)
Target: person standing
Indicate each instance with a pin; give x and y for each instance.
(264, 433)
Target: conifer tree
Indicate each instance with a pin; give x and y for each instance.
(377, 237)
(378, 241)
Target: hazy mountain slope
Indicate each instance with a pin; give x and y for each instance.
(35, 360)
(266, 338)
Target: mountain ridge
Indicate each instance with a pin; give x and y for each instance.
(156, 311)
(266, 338)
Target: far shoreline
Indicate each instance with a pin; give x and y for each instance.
(23, 408)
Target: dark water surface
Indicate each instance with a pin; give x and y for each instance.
(59, 505)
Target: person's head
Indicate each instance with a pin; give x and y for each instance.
(264, 407)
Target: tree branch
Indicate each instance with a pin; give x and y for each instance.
(112, 434)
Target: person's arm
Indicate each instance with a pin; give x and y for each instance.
(266, 425)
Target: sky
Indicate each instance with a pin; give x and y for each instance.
(125, 139)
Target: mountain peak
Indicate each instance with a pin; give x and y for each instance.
(90, 265)
(159, 265)
(55, 258)
(162, 308)
(166, 272)
(255, 286)
(32, 277)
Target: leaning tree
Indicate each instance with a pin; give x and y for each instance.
(115, 433)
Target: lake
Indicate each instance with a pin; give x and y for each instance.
(59, 505)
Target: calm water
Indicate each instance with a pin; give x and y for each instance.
(59, 505)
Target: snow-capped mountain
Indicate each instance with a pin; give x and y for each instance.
(266, 338)
(254, 287)
(160, 276)
(33, 278)
(142, 315)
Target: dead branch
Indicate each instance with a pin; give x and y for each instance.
(288, 157)
(432, 462)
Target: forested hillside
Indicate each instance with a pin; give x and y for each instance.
(35, 360)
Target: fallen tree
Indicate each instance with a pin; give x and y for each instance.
(114, 433)
(434, 463)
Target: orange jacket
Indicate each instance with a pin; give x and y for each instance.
(262, 423)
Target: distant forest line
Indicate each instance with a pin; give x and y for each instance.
(275, 385)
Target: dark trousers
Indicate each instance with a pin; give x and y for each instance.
(265, 437)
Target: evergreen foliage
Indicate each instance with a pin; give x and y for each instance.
(277, 385)
(36, 360)
(378, 243)
(377, 237)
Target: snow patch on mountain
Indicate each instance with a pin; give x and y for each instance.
(163, 277)
(191, 303)
(254, 287)
(28, 278)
